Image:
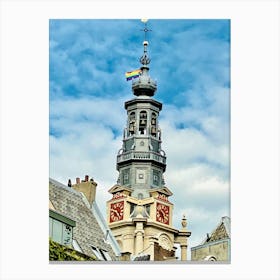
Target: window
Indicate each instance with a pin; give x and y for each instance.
(156, 177)
(153, 125)
(131, 127)
(96, 252)
(66, 234)
(56, 231)
(101, 254)
(210, 258)
(60, 228)
(76, 246)
(132, 207)
(105, 255)
(126, 176)
(148, 209)
(141, 176)
(60, 232)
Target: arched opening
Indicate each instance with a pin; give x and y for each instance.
(131, 126)
(143, 122)
(154, 125)
(210, 258)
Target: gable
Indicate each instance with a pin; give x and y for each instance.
(166, 191)
(118, 188)
(219, 233)
(163, 190)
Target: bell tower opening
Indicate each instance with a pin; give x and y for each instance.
(132, 123)
(154, 125)
(143, 123)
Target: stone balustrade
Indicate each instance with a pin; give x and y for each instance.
(141, 156)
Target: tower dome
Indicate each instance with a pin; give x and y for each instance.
(145, 85)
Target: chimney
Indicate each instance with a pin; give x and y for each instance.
(87, 187)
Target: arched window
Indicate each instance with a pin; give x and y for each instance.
(143, 122)
(210, 258)
(131, 128)
(154, 125)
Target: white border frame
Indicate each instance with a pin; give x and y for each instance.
(254, 137)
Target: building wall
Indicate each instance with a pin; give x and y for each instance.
(220, 250)
(125, 236)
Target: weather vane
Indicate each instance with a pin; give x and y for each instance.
(144, 59)
(145, 28)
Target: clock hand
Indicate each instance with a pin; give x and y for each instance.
(116, 212)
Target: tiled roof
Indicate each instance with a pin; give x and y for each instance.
(226, 222)
(73, 204)
(221, 231)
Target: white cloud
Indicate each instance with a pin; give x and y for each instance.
(84, 139)
(187, 145)
(87, 111)
(212, 186)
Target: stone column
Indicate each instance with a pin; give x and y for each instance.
(139, 235)
(182, 239)
(139, 221)
(184, 252)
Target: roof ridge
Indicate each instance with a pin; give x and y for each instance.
(60, 185)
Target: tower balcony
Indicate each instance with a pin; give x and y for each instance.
(141, 156)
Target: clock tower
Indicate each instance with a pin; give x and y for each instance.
(140, 213)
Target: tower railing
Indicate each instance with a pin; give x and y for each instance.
(141, 156)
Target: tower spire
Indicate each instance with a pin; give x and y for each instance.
(144, 59)
(145, 85)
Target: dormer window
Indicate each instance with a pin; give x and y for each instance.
(101, 254)
(76, 246)
(60, 228)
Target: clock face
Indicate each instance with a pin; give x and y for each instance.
(116, 211)
(162, 214)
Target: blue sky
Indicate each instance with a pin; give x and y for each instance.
(190, 60)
